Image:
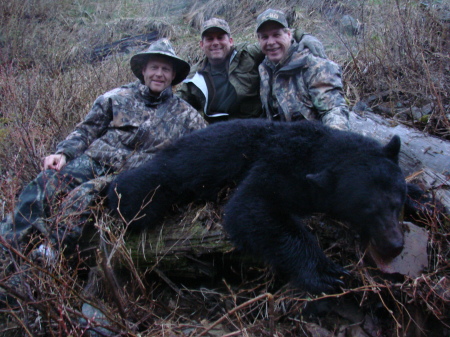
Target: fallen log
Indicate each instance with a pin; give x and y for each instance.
(424, 159)
(419, 150)
(189, 244)
(124, 45)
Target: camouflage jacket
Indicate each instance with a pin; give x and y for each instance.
(198, 90)
(127, 125)
(303, 86)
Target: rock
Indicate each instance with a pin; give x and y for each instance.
(419, 112)
(352, 330)
(349, 25)
(94, 314)
(316, 330)
(413, 259)
(361, 107)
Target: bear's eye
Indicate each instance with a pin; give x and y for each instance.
(396, 207)
(367, 209)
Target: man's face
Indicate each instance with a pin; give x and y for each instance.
(158, 74)
(274, 41)
(216, 44)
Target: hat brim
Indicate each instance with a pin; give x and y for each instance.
(139, 61)
(217, 28)
(282, 24)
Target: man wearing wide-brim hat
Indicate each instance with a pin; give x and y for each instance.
(162, 49)
(125, 127)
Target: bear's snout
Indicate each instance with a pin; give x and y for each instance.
(390, 243)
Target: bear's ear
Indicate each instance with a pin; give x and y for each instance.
(392, 149)
(323, 180)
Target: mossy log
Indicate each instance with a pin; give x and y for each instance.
(181, 247)
(189, 244)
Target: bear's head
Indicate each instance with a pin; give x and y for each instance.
(368, 190)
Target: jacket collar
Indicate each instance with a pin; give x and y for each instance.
(205, 65)
(294, 59)
(151, 99)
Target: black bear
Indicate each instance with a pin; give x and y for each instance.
(283, 171)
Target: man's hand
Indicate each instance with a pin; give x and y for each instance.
(313, 44)
(54, 162)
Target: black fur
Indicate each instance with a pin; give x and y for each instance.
(283, 171)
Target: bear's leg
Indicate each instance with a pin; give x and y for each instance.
(259, 226)
(422, 205)
(142, 197)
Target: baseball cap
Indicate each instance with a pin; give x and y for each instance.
(271, 15)
(216, 23)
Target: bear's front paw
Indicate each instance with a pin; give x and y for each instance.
(321, 279)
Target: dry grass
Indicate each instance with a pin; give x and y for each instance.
(405, 61)
(47, 84)
(248, 301)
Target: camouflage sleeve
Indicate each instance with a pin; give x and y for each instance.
(323, 78)
(188, 120)
(135, 159)
(337, 118)
(255, 51)
(195, 120)
(94, 125)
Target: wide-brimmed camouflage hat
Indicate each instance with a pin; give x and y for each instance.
(271, 15)
(161, 47)
(216, 23)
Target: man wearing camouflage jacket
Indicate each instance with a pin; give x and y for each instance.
(295, 84)
(124, 128)
(225, 83)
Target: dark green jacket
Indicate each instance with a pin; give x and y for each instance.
(197, 89)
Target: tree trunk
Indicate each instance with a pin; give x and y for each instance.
(124, 45)
(424, 159)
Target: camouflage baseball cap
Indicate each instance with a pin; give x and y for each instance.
(216, 23)
(271, 15)
(161, 47)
